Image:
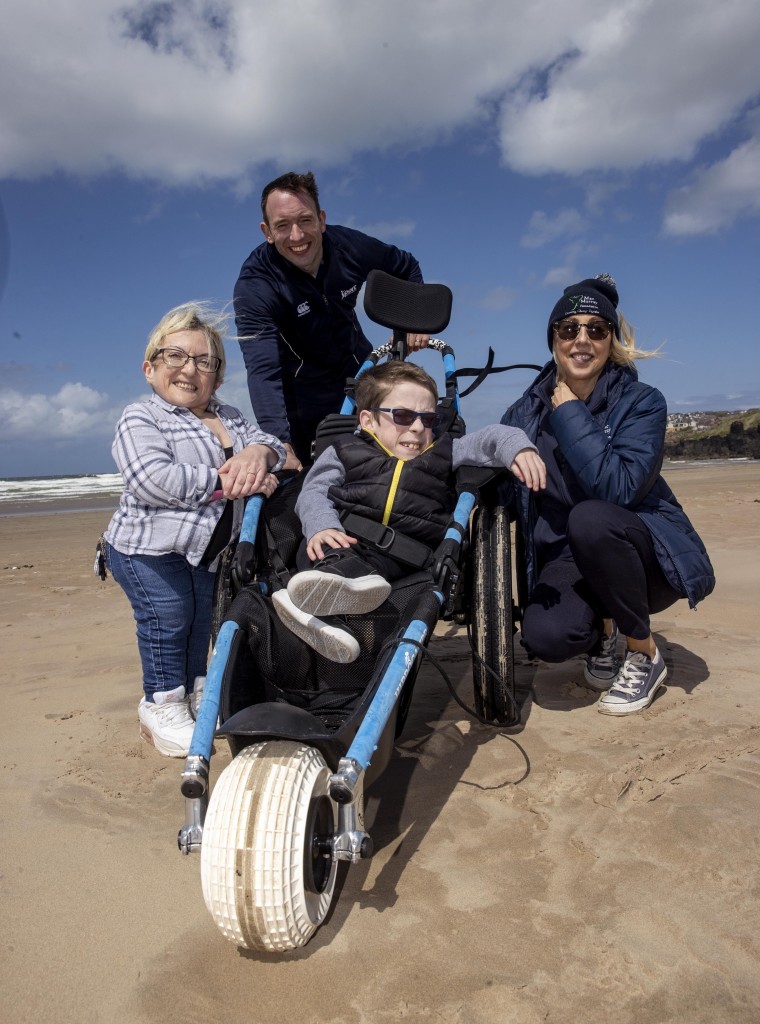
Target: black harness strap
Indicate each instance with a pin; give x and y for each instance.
(389, 541)
(480, 373)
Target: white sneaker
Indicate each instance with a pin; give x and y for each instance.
(326, 593)
(166, 724)
(332, 642)
(194, 700)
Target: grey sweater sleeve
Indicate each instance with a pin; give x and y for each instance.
(495, 445)
(313, 507)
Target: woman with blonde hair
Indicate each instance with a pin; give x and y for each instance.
(607, 544)
(186, 460)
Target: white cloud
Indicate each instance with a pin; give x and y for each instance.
(234, 391)
(738, 401)
(187, 91)
(718, 194)
(641, 82)
(559, 275)
(75, 411)
(542, 228)
(575, 252)
(150, 88)
(388, 230)
(498, 298)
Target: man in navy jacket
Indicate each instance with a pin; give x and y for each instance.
(295, 304)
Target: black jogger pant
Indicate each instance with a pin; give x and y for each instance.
(613, 573)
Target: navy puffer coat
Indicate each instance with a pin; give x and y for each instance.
(613, 446)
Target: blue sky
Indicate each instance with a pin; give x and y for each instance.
(513, 148)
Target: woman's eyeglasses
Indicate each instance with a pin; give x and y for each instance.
(176, 359)
(568, 330)
(406, 417)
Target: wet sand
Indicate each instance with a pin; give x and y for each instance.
(579, 868)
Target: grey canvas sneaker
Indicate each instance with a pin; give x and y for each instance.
(603, 666)
(635, 686)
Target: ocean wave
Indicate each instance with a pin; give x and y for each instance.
(52, 488)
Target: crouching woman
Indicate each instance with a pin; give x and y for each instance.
(607, 543)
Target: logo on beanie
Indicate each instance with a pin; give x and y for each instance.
(583, 304)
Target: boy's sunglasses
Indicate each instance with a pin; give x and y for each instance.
(568, 330)
(406, 417)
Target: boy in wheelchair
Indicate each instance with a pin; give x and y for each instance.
(376, 504)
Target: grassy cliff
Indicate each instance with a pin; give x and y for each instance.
(714, 435)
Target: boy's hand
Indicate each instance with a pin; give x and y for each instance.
(315, 547)
(529, 469)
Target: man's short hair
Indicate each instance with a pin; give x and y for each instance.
(375, 384)
(291, 182)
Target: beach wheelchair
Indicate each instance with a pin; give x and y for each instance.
(307, 735)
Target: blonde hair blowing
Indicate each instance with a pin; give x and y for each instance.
(623, 350)
(192, 316)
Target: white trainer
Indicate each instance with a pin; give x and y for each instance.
(194, 700)
(166, 724)
(332, 642)
(325, 593)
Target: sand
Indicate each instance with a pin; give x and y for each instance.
(580, 868)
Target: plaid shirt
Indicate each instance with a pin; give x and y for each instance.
(168, 461)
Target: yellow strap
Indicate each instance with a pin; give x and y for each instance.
(392, 492)
(400, 463)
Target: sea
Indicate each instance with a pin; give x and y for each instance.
(90, 492)
(93, 492)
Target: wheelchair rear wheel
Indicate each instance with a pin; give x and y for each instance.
(492, 616)
(222, 591)
(267, 876)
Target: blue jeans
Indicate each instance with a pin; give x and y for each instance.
(172, 602)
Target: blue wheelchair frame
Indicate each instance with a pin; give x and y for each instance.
(351, 842)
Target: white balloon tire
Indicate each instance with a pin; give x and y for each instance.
(254, 847)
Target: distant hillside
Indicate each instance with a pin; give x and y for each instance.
(713, 435)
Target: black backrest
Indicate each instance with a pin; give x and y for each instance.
(406, 305)
(334, 425)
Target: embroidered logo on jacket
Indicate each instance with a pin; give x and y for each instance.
(303, 309)
(348, 291)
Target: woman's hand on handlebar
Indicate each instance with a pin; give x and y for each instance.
(247, 472)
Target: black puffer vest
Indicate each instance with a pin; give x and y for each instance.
(415, 497)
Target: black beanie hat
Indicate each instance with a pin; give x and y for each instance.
(594, 296)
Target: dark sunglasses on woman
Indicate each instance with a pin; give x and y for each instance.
(568, 330)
